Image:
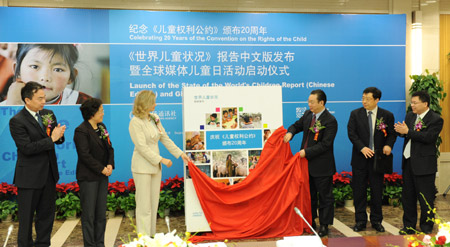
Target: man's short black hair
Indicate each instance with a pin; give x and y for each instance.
(321, 96)
(30, 89)
(376, 93)
(89, 108)
(423, 96)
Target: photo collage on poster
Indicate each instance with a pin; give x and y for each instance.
(225, 166)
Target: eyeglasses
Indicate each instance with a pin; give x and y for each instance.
(415, 102)
(366, 99)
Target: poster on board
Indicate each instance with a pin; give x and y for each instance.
(225, 129)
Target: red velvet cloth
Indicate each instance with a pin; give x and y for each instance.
(262, 205)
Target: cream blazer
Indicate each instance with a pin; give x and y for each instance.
(145, 136)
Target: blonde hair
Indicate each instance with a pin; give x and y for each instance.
(144, 99)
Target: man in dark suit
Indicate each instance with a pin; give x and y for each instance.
(319, 130)
(35, 131)
(370, 128)
(421, 130)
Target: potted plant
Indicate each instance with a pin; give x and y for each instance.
(166, 202)
(127, 204)
(347, 193)
(112, 204)
(7, 210)
(68, 206)
(394, 193)
(342, 190)
(171, 196)
(393, 188)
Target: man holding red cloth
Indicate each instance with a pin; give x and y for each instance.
(319, 130)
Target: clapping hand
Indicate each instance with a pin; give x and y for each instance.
(401, 128)
(58, 132)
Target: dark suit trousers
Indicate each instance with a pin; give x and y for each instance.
(93, 216)
(360, 180)
(41, 201)
(321, 189)
(413, 185)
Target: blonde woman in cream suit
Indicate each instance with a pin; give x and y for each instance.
(146, 131)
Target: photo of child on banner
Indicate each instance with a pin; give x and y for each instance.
(253, 158)
(61, 69)
(195, 140)
(229, 118)
(250, 120)
(212, 121)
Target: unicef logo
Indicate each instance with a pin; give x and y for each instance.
(299, 111)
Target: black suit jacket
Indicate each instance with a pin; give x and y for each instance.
(423, 143)
(359, 134)
(319, 153)
(94, 153)
(35, 150)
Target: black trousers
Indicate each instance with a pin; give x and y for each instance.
(361, 179)
(413, 185)
(41, 201)
(93, 216)
(321, 189)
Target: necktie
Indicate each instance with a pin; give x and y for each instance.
(369, 118)
(39, 119)
(407, 151)
(313, 121)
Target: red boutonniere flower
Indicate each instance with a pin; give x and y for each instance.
(104, 134)
(381, 126)
(419, 125)
(47, 120)
(316, 129)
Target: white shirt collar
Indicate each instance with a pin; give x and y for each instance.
(374, 111)
(423, 114)
(33, 113)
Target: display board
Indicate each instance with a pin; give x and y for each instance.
(225, 129)
(124, 51)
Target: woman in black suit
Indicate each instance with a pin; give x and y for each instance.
(95, 165)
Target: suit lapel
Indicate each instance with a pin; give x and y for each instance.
(93, 134)
(364, 120)
(33, 121)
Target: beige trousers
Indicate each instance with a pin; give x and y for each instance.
(147, 200)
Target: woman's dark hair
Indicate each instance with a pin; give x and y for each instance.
(67, 51)
(89, 108)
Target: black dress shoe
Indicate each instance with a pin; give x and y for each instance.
(426, 230)
(378, 226)
(407, 231)
(323, 230)
(359, 227)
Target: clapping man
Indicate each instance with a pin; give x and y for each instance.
(35, 132)
(319, 129)
(421, 130)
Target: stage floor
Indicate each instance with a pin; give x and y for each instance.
(68, 233)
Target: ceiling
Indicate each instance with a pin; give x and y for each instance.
(317, 6)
